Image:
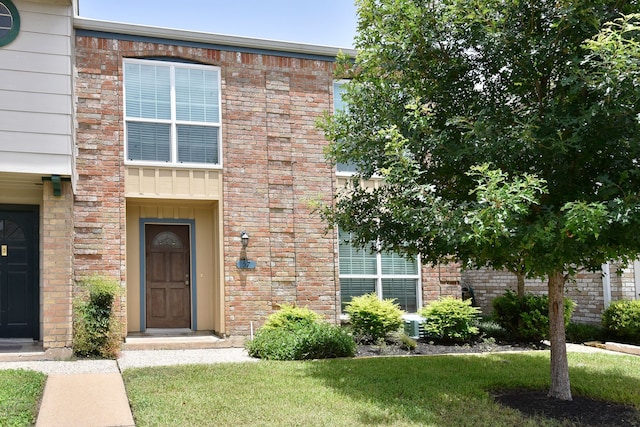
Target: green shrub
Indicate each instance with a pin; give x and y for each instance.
(372, 319)
(580, 333)
(406, 342)
(489, 328)
(622, 320)
(450, 319)
(96, 330)
(289, 317)
(527, 318)
(319, 340)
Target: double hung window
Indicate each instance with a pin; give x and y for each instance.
(386, 274)
(172, 112)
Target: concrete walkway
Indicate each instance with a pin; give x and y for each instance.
(81, 400)
(91, 393)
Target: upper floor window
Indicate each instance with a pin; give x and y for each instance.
(339, 105)
(172, 112)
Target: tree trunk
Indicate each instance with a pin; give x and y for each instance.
(520, 288)
(560, 386)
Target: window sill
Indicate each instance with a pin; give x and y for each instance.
(210, 166)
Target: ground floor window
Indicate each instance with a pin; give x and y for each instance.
(389, 275)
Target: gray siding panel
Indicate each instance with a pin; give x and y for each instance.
(36, 110)
(31, 102)
(16, 121)
(43, 164)
(35, 82)
(41, 43)
(23, 142)
(35, 62)
(32, 22)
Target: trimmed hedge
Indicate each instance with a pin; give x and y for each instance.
(372, 319)
(319, 340)
(290, 316)
(450, 319)
(622, 320)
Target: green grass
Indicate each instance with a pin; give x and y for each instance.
(413, 391)
(20, 394)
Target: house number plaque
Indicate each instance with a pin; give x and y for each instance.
(3, 250)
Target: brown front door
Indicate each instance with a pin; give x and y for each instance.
(168, 279)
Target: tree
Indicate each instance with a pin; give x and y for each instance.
(507, 135)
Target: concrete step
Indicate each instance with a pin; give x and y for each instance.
(17, 350)
(180, 342)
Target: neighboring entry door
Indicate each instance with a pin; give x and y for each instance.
(168, 280)
(19, 272)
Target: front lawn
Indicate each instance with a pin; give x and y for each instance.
(20, 394)
(402, 391)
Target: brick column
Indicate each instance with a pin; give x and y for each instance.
(57, 266)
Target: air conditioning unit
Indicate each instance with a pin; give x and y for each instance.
(412, 328)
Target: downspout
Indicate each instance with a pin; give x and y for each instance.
(606, 284)
(636, 277)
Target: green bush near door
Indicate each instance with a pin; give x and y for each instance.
(96, 330)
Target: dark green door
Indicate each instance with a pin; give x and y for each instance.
(19, 272)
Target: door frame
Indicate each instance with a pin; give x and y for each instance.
(34, 211)
(143, 267)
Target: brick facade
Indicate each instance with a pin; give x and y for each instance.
(57, 266)
(439, 281)
(586, 291)
(99, 208)
(273, 168)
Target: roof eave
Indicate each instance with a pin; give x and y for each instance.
(208, 38)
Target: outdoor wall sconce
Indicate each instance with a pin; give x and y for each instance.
(244, 262)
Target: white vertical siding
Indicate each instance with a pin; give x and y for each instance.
(36, 110)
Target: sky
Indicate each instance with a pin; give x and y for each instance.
(319, 22)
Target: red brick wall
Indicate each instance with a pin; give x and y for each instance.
(99, 208)
(273, 167)
(440, 280)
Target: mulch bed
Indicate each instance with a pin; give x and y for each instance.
(581, 411)
(430, 348)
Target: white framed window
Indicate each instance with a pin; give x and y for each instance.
(388, 275)
(172, 113)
